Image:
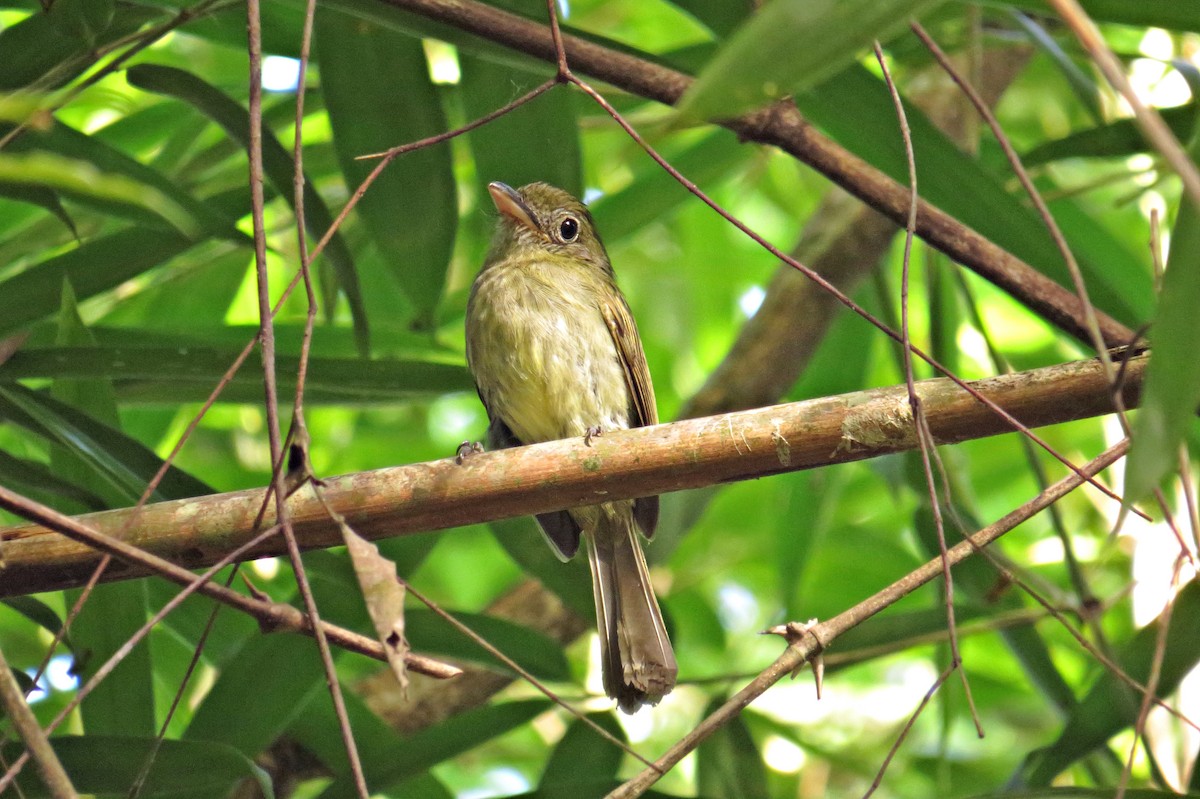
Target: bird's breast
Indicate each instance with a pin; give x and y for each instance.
(542, 356)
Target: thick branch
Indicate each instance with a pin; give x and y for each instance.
(560, 474)
(783, 126)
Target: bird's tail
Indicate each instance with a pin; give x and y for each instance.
(635, 653)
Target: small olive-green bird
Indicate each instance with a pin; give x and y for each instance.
(555, 354)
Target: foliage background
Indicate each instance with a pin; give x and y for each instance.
(126, 288)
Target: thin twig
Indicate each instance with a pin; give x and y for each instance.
(106, 668)
(1018, 168)
(1156, 663)
(925, 441)
(267, 334)
(36, 744)
(907, 728)
(539, 478)
(780, 125)
(140, 41)
(390, 155)
(524, 673)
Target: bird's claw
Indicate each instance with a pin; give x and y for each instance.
(465, 450)
(595, 431)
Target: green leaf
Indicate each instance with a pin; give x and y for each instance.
(93, 396)
(93, 267)
(127, 464)
(443, 741)
(720, 16)
(294, 668)
(318, 731)
(100, 158)
(1172, 392)
(123, 704)
(277, 164)
(411, 209)
(540, 655)
(1080, 82)
(42, 483)
(41, 196)
(35, 50)
(1082, 793)
(188, 373)
(654, 194)
(977, 579)
(728, 763)
(36, 611)
(790, 46)
(109, 764)
(521, 540)
(1111, 705)
(82, 179)
(1115, 139)
(582, 757)
(538, 141)
(1170, 14)
(340, 599)
(85, 20)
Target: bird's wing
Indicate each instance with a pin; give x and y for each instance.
(641, 392)
(637, 373)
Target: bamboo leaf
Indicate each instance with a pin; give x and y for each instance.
(790, 46)
(107, 765)
(1172, 393)
(1111, 706)
(82, 179)
(411, 210)
(277, 164)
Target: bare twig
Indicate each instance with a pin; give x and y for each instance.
(123, 651)
(1018, 168)
(389, 155)
(267, 336)
(920, 423)
(524, 673)
(36, 743)
(907, 728)
(1156, 662)
(814, 276)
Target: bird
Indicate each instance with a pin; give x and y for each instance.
(554, 352)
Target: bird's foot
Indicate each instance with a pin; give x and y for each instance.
(466, 450)
(595, 431)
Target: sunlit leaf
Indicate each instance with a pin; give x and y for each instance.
(789, 46)
(80, 178)
(277, 164)
(1172, 393)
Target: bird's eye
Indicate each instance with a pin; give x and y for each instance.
(568, 229)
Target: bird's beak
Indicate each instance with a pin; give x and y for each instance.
(511, 204)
